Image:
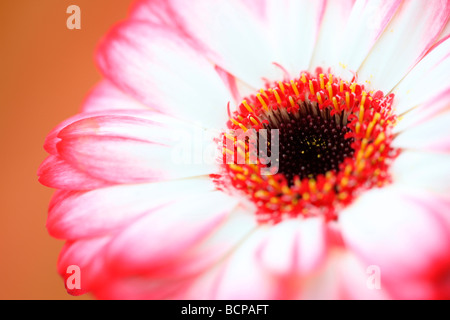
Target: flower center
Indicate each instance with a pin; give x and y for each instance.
(307, 147)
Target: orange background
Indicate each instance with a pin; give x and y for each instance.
(46, 70)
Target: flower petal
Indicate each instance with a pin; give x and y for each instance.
(134, 149)
(366, 23)
(403, 232)
(293, 27)
(107, 96)
(57, 173)
(294, 247)
(433, 135)
(158, 68)
(161, 237)
(74, 215)
(243, 277)
(427, 80)
(235, 29)
(238, 225)
(87, 255)
(424, 170)
(426, 111)
(330, 38)
(394, 53)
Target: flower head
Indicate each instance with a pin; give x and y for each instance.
(260, 150)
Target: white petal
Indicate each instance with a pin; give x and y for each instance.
(407, 38)
(433, 135)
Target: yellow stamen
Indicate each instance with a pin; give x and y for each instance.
(263, 103)
(335, 104)
(280, 84)
(303, 78)
(322, 83)
(277, 96)
(254, 121)
(294, 87)
(380, 138)
(291, 101)
(319, 97)
(330, 91)
(361, 107)
(249, 109)
(371, 125)
(311, 87)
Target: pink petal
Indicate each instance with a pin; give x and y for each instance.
(294, 247)
(243, 277)
(432, 135)
(107, 96)
(52, 138)
(74, 215)
(427, 81)
(424, 112)
(161, 237)
(365, 26)
(134, 149)
(87, 255)
(213, 249)
(394, 54)
(57, 173)
(330, 37)
(293, 27)
(242, 47)
(404, 233)
(158, 68)
(433, 174)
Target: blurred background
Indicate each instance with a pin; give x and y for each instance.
(46, 70)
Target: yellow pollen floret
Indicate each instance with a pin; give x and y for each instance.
(319, 97)
(311, 87)
(294, 87)
(335, 104)
(330, 91)
(277, 96)
(254, 121)
(249, 109)
(292, 102)
(303, 78)
(280, 84)
(361, 107)
(322, 83)
(380, 138)
(262, 102)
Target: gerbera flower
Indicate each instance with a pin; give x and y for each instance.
(356, 204)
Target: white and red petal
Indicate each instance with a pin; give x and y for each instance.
(294, 247)
(424, 170)
(242, 276)
(87, 255)
(231, 33)
(56, 173)
(156, 239)
(74, 215)
(105, 96)
(293, 28)
(365, 26)
(432, 135)
(394, 54)
(124, 149)
(427, 81)
(213, 249)
(330, 37)
(403, 232)
(159, 69)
